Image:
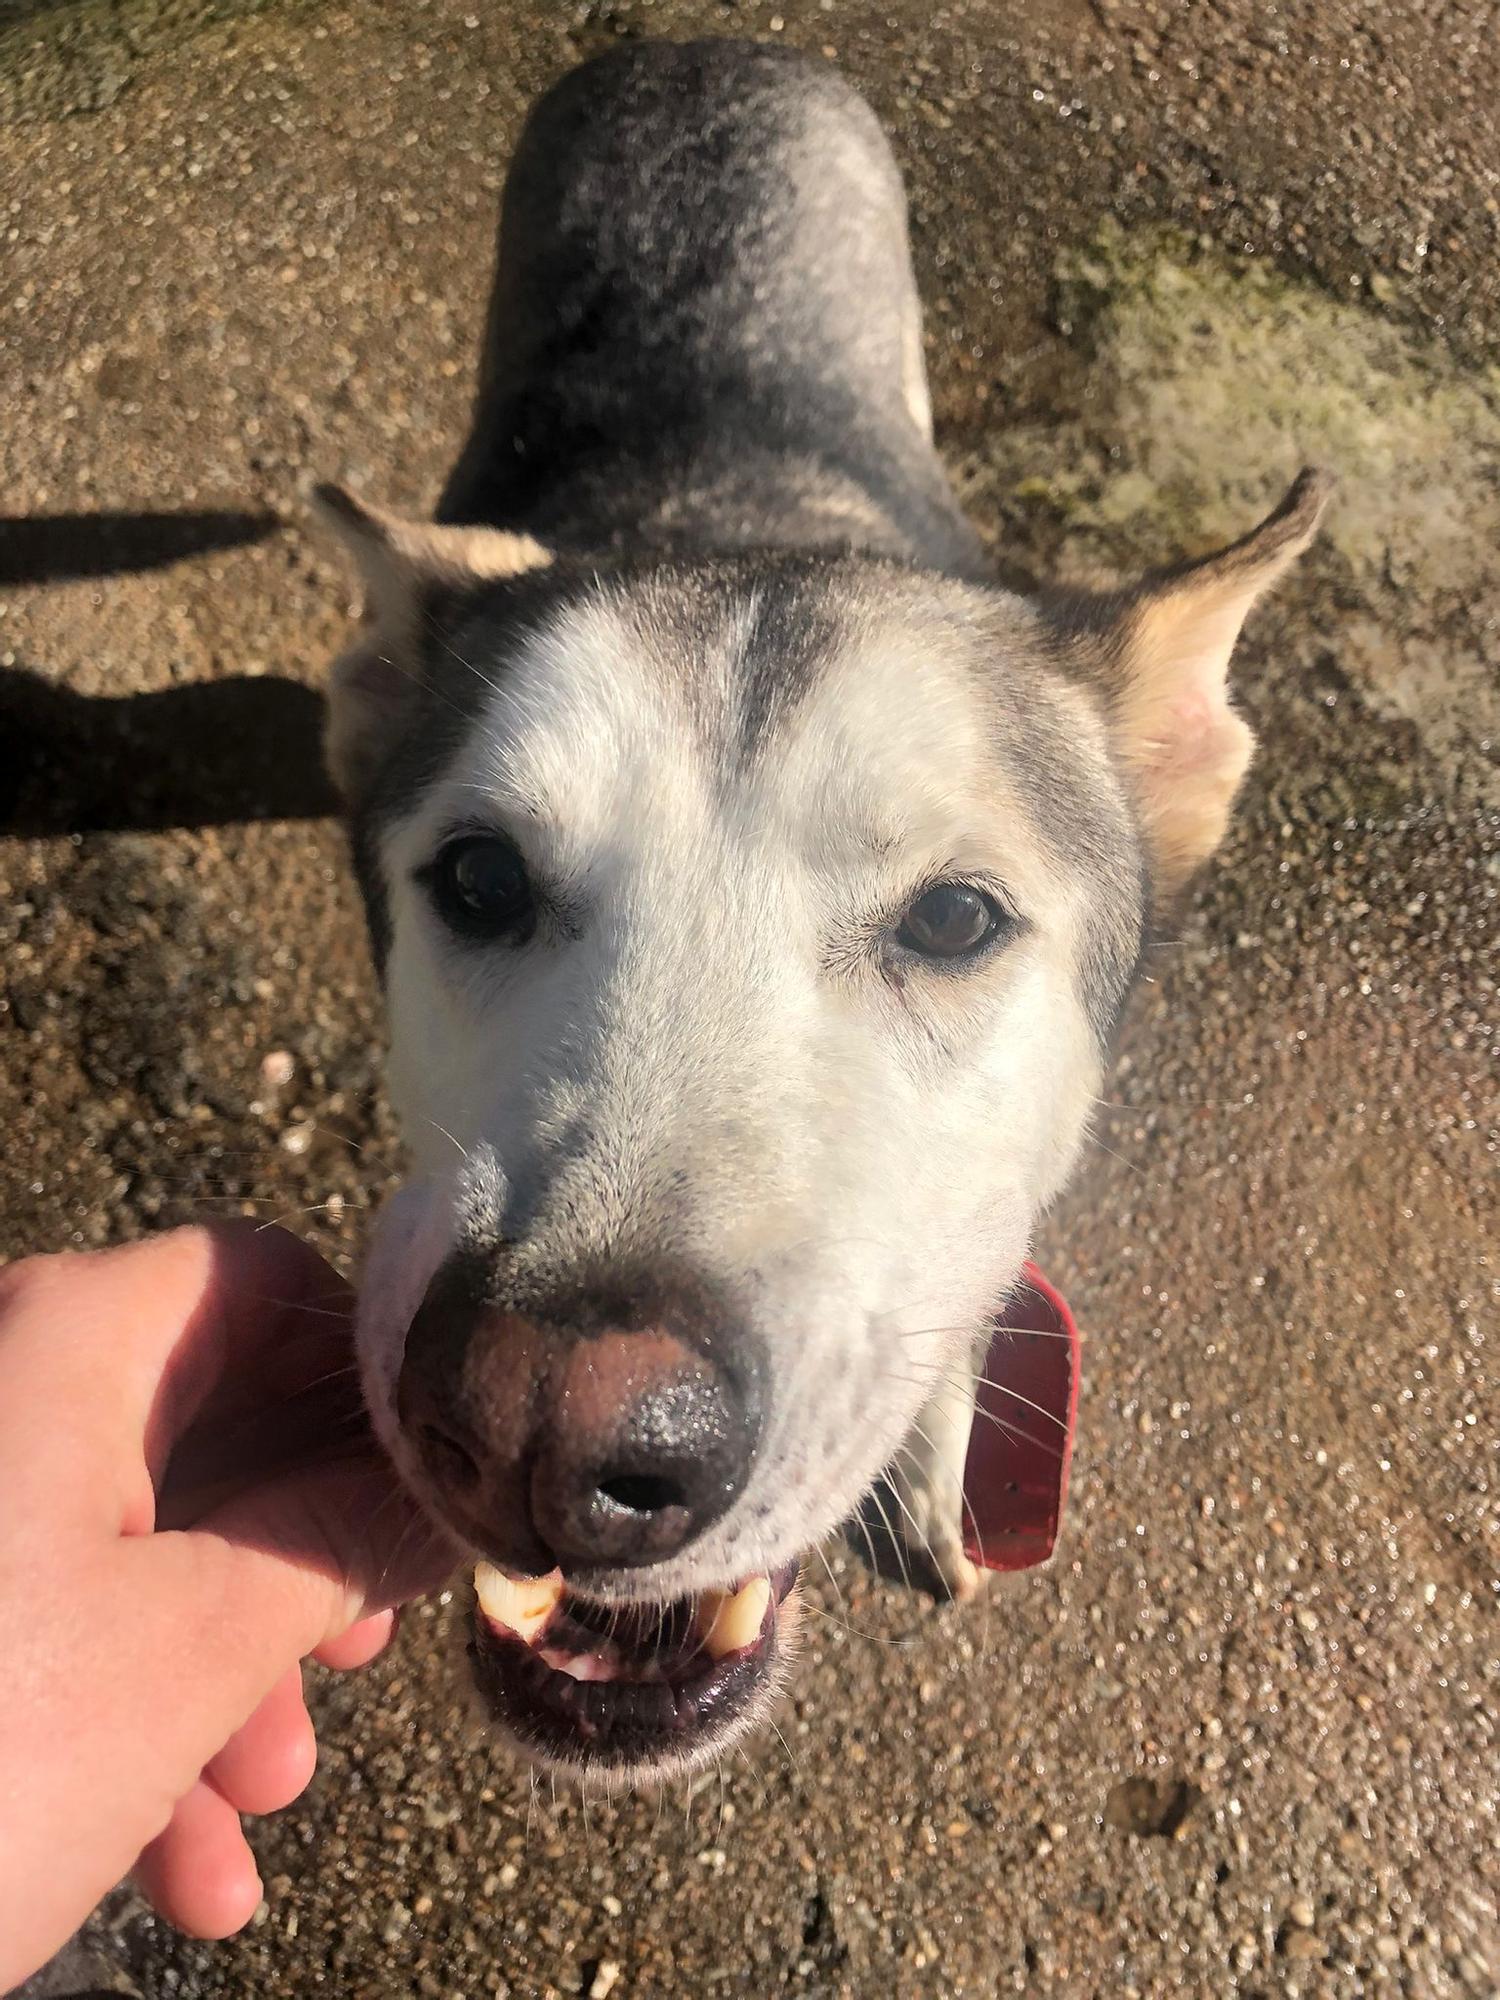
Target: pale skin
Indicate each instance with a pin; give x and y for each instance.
(193, 1506)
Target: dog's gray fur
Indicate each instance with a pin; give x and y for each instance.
(701, 625)
(705, 333)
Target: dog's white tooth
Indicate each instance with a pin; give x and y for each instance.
(523, 1605)
(729, 1620)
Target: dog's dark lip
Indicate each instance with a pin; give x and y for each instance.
(688, 1705)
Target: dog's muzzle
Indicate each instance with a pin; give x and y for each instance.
(579, 1437)
(574, 1434)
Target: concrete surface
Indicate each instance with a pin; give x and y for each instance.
(1240, 1739)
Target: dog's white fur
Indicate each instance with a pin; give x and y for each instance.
(863, 1160)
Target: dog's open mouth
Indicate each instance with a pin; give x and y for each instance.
(623, 1686)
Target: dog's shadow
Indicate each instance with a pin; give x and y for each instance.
(59, 548)
(207, 754)
(203, 755)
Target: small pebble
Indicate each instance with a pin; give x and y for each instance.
(277, 1068)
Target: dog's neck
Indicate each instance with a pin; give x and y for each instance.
(687, 495)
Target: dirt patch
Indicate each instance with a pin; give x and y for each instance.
(1192, 389)
(62, 57)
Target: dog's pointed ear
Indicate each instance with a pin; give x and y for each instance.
(1165, 672)
(405, 568)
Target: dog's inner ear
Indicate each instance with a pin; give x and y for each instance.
(1183, 748)
(406, 569)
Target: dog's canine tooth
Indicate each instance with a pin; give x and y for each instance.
(523, 1605)
(729, 1620)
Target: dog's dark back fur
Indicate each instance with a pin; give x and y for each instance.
(705, 334)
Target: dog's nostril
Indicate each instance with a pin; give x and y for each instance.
(644, 1444)
(642, 1492)
(451, 1463)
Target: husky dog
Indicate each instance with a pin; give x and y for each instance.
(755, 885)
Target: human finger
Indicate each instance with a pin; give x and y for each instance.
(270, 1759)
(363, 1642)
(200, 1873)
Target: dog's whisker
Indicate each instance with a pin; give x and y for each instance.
(291, 1214)
(315, 1312)
(864, 1529)
(348, 1372)
(761, 1794)
(463, 1151)
(839, 1597)
(930, 1383)
(414, 1526)
(1011, 1429)
(453, 654)
(331, 1132)
(1134, 1165)
(1004, 1389)
(856, 1631)
(895, 1540)
(1014, 1431)
(420, 679)
(990, 1330)
(893, 1487)
(792, 1764)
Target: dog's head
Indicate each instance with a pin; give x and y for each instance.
(753, 932)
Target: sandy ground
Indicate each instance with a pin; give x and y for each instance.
(1240, 1738)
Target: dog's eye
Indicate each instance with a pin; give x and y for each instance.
(951, 920)
(481, 888)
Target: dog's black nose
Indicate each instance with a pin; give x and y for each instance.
(644, 1444)
(594, 1435)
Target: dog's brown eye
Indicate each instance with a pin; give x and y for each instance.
(951, 920)
(481, 889)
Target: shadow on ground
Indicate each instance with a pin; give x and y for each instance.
(51, 548)
(182, 757)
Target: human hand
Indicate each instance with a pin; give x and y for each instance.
(193, 1503)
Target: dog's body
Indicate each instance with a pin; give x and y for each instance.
(756, 886)
(704, 335)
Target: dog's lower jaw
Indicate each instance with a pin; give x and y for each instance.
(622, 1698)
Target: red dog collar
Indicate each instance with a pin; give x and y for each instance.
(1016, 1474)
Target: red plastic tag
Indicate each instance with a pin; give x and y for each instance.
(1021, 1446)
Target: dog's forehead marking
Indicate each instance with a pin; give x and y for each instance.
(849, 729)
